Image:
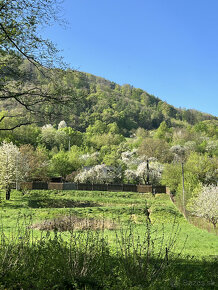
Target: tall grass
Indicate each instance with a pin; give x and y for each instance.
(85, 261)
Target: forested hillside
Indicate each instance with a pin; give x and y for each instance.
(89, 98)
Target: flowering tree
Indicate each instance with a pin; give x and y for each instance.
(206, 204)
(62, 125)
(131, 176)
(97, 174)
(48, 134)
(179, 152)
(90, 159)
(131, 159)
(12, 167)
(154, 170)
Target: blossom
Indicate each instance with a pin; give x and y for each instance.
(97, 174)
(206, 204)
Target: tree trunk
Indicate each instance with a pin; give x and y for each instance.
(8, 193)
(147, 181)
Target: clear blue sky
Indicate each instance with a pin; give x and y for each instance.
(167, 47)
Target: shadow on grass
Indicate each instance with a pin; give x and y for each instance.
(59, 203)
(193, 274)
(12, 206)
(94, 267)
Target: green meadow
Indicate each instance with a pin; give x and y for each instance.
(143, 242)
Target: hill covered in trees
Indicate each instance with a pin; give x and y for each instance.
(90, 98)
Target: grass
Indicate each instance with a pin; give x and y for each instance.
(120, 237)
(124, 208)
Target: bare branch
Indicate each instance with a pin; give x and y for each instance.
(17, 126)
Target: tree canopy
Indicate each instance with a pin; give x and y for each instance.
(26, 80)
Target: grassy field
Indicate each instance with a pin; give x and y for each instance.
(128, 223)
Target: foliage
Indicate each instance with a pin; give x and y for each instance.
(179, 152)
(172, 176)
(61, 165)
(19, 27)
(26, 82)
(157, 148)
(203, 167)
(47, 136)
(37, 161)
(163, 132)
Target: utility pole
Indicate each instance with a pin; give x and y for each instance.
(16, 175)
(69, 144)
(183, 189)
(180, 152)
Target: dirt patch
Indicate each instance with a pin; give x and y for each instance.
(69, 223)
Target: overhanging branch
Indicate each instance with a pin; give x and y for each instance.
(16, 126)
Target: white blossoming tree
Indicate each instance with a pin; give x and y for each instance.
(130, 176)
(151, 172)
(12, 167)
(131, 158)
(148, 172)
(62, 125)
(97, 174)
(206, 204)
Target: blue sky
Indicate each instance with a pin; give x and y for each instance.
(167, 47)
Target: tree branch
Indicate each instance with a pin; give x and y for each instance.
(17, 126)
(31, 60)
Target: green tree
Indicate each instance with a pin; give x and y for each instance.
(203, 167)
(172, 176)
(97, 128)
(73, 137)
(60, 164)
(163, 132)
(37, 162)
(157, 148)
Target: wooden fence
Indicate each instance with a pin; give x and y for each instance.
(141, 188)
